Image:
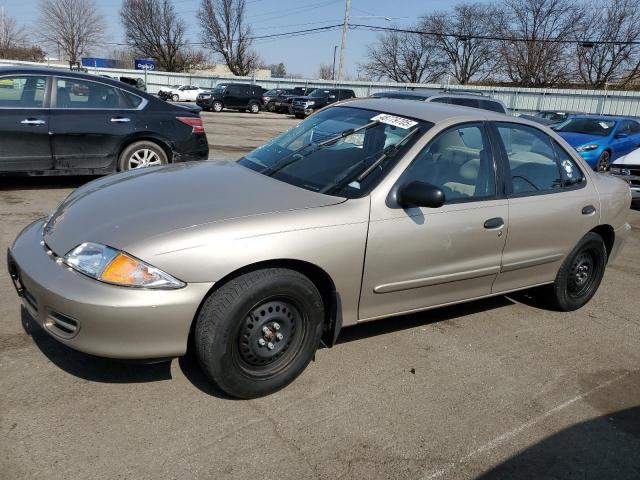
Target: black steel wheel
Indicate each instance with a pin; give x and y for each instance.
(258, 332)
(580, 274)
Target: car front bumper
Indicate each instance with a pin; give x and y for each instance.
(95, 317)
(632, 180)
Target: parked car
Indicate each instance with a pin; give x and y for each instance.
(135, 82)
(270, 95)
(462, 99)
(627, 167)
(402, 207)
(165, 92)
(601, 139)
(235, 96)
(317, 99)
(62, 122)
(282, 102)
(550, 117)
(185, 93)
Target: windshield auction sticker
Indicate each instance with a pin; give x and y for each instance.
(394, 121)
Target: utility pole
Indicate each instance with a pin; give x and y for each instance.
(333, 70)
(345, 28)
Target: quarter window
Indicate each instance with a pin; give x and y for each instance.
(532, 159)
(82, 94)
(22, 92)
(459, 162)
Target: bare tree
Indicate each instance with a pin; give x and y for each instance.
(469, 58)
(539, 58)
(10, 34)
(154, 30)
(225, 32)
(404, 57)
(325, 72)
(599, 63)
(72, 26)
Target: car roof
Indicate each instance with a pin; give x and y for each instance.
(613, 118)
(429, 111)
(22, 70)
(428, 93)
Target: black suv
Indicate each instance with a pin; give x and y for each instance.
(282, 102)
(320, 97)
(236, 96)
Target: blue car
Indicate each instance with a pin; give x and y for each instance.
(600, 139)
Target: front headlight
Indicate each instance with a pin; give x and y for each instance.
(109, 265)
(588, 148)
(311, 102)
(619, 170)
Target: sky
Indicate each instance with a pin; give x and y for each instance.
(301, 55)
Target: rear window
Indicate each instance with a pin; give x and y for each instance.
(492, 106)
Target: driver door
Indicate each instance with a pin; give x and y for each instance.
(423, 257)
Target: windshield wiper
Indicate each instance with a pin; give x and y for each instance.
(294, 156)
(349, 175)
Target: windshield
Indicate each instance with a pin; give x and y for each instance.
(219, 89)
(271, 93)
(343, 151)
(590, 126)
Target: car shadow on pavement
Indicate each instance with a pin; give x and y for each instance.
(191, 370)
(404, 322)
(606, 447)
(89, 367)
(43, 182)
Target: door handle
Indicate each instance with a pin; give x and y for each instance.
(494, 223)
(588, 210)
(32, 121)
(120, 120)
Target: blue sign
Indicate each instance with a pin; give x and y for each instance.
(99, 62)
(144, 64)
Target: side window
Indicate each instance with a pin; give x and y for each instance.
(491, 106)
(532, 159)
(441, 100)
(233, 90)
(634, 127)
(570, 172)
(458, 161)
(22, 92)
(134, 100)
(465, 102)
(76, 93)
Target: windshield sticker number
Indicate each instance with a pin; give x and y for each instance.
(394, 121)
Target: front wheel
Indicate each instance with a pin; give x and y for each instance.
(216, 106)
(580, 274)
(257, 333)
(603, 162)
(175, 98)
(271, 107)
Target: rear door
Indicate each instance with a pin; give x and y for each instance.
(89, 122)
(24, 123)
(551, 205)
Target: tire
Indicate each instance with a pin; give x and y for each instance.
(580, 274)
(217, 106)
(290, 109)
(254, 107)
(231, 342)
(270, 107)
(175, 97)
(142, 154)
(603, 162)
(298, 115)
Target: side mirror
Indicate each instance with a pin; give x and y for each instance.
(621, 135)
(420, 194)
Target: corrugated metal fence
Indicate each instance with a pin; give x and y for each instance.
(519, 100)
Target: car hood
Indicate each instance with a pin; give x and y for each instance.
(577, 139)
(632, 158)
(125, 209)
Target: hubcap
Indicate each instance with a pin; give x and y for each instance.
(144, 158)
(603, 162)
(581, 274)
(254, 108)
(217, 107)
(268, 332)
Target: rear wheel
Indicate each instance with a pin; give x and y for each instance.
(216, 106)
(603, 162)
(580, 274)
(142, 154)
(254, 107)
(258, 332)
